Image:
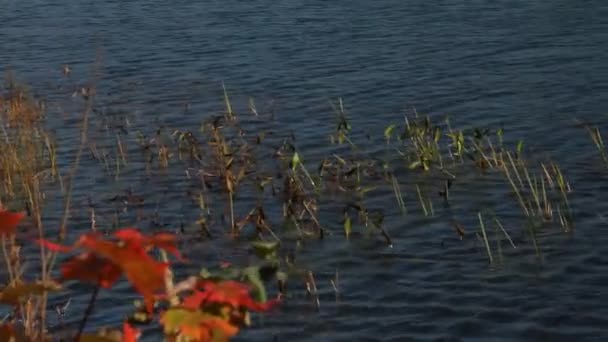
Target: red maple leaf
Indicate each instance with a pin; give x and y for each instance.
(143, 272)
(105, 260)
(129, 334)
(165, 241)
(230, 292)
(90, 268)
(9, 221)
(195, 300)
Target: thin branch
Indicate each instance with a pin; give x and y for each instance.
(87, 313)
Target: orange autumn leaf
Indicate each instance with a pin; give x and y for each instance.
(144, 273)
(90, 268)
(106, 260)
(130, 235)
(230, 292)
(85, 267)
(129, 333)
(165, 241)
(9, 221)
(197, 325)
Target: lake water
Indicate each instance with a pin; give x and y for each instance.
(531, 67)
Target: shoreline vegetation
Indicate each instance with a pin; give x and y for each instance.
(419, 165)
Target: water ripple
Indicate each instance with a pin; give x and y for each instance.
(528, 66)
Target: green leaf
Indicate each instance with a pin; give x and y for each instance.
(252, 275)
(437, 134)
(266, 250)
(426, 165)
(388, 132)
(520, 147)
(295, 161)
(366, 189)
(348, 226)
(415, 164)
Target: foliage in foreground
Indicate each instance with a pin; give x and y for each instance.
(196, 309)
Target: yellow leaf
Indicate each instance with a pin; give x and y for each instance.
(197, 325)
(13, 294)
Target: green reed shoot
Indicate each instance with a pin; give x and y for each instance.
(485, 238)
(398, 195)
(229, 113)
(596, 136)
(504, 231)
(296, 163)
(515, 188)
(422, 202)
